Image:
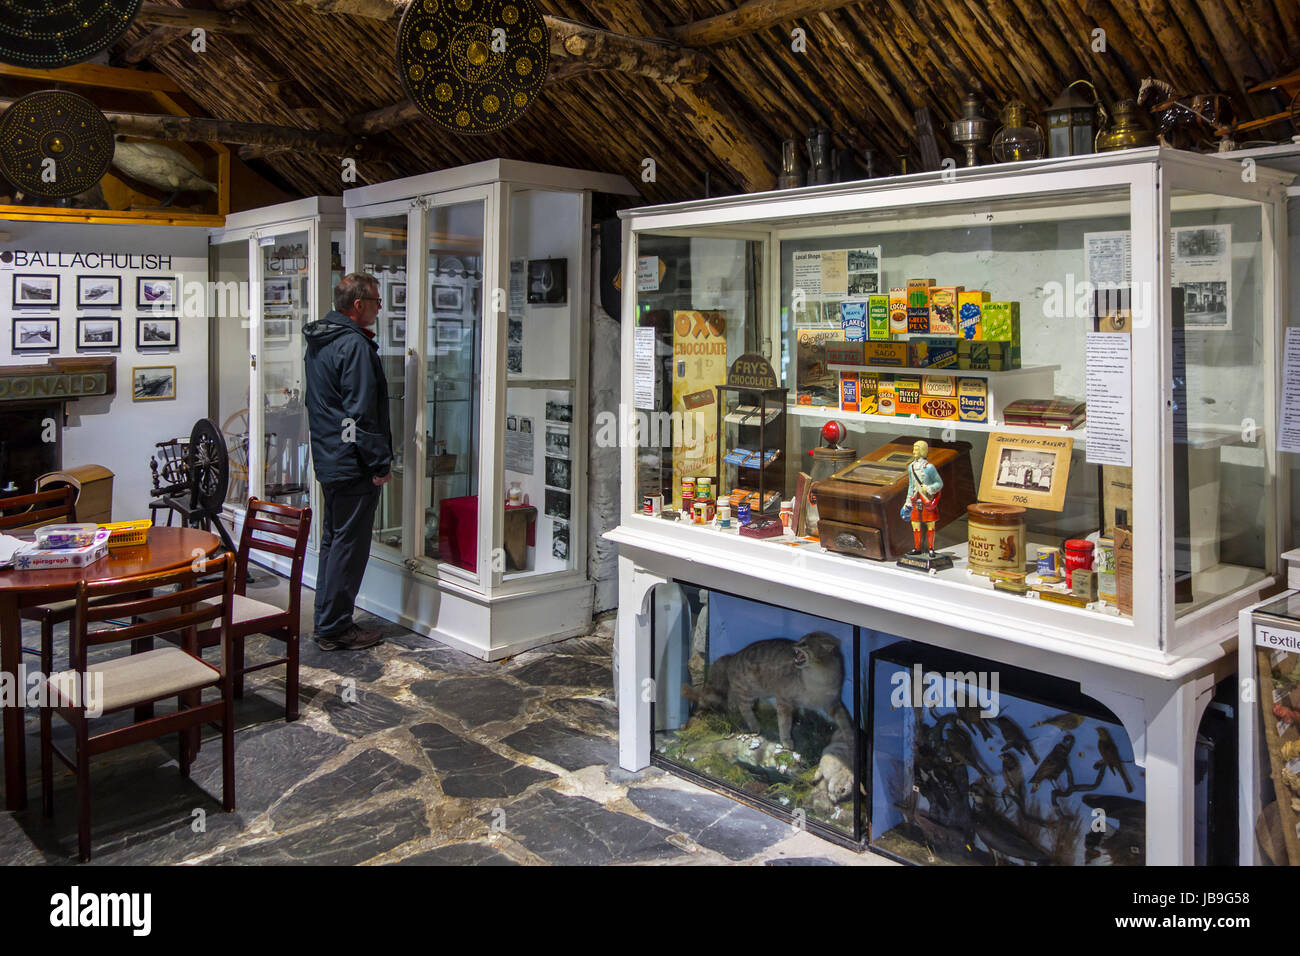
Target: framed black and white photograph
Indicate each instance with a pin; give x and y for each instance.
(99, 332)
(157, 332)
(449, 332)
(35, 291)
(557, 503)
(397, 332)
(557, 441)
(558, 472)
(36, 335)
(515, 359)
(559, 411)
(152, 383)
(276, 330)
(277, 290)
(515, 331)
(448, 298)
(99, 292)
(548, 281)
(157, 292)
(397, 296)
(1026, 470)
(560, 540)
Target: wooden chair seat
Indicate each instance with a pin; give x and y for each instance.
(138, 679)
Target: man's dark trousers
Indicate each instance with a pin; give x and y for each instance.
(344, 550)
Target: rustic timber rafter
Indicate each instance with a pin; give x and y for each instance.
(750, 18)
(198, 129)
(184, 18)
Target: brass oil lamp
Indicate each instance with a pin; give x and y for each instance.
(1020, 138)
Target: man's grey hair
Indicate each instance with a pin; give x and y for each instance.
(357, 285)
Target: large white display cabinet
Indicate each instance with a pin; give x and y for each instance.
(485, 274)
(1209, 511)
(271, 271)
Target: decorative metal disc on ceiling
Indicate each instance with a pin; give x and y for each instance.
(55, 144)
(47, 34)
(473, 66)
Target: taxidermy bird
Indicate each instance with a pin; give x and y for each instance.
(161, 167)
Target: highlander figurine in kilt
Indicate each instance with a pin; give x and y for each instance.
(924, 487)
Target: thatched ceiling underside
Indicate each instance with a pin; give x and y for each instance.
(866, 68)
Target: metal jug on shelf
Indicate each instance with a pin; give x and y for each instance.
(819, 154)
(792, 170)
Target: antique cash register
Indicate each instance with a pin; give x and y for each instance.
(859, 505)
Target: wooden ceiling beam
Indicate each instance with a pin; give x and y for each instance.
(151, 43)
(750, 18)
(578, 48)
(104, 77)
(184, 18)
(197, 129)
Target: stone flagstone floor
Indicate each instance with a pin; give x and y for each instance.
(409, 753)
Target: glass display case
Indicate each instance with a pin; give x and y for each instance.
(1059, 383)
(1028, 316)
(484, 274)
(271, 271)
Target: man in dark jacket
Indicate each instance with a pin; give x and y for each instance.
(352, 451)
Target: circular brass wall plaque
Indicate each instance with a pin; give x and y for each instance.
(46, 34)
(473, 66)
(55, 144)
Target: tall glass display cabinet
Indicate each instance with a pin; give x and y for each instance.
(485, 280)
(1050, 391)
(271, 271)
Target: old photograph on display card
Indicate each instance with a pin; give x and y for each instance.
(153, 383)
(396, 296)
(517, 296)
(560, 540)
(99, 292)
(157, 332)
(557, 440)
(558, 473)
(277, 291)
(548, 281)
(1026, 470)
(276, 330)
(35, 291)
(514, 359)
(1201, 263)
(559, 411)
(557, 503)
(99, 332)
(519, 444)
(448, 298)
(36, 335)
(157, 292)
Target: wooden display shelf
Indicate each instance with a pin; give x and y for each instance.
(949, 370)
(902, 421)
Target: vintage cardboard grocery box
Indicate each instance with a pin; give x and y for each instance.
(1000, 322)
(987, 356)
(843, 353)
(868, 383)
(908, 390)
(939, 386)
(932, 352)
(878, 318)
(973, 399)
(943, 310)
(853, 320)
(849, 401)
(898, 311)
(970, 309)
(887, 354)
(939, 409)
(886, 396)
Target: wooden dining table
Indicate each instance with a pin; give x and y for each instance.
(165, 550)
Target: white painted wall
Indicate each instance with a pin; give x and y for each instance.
(114, 431)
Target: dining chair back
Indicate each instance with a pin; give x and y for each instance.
(181, 601)
(39, 508)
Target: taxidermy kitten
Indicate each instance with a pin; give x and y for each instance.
(807, 673)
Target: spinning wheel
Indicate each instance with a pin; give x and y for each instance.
(198, 498)
(235, 431)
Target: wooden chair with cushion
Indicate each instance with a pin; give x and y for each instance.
(84, 693)
(273, 529)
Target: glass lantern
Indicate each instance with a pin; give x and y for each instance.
(1071, 122)
(1020, 138)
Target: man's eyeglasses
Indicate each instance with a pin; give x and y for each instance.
(370, 298)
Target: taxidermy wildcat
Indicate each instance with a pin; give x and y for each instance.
(807, 673)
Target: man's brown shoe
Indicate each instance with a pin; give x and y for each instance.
(356, 639)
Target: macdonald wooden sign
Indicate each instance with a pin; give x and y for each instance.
(751, 370)
(59, 379)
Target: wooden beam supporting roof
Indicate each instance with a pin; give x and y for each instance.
(185, 18)
(104, 77)
(750, 18)
(196, 129)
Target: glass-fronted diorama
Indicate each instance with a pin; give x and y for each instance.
(484, 274)
(1023, 403)
(1269, 654)
(271, 272)
(928, 756)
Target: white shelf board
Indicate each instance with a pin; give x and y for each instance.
(828, 412)
(949, 370)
